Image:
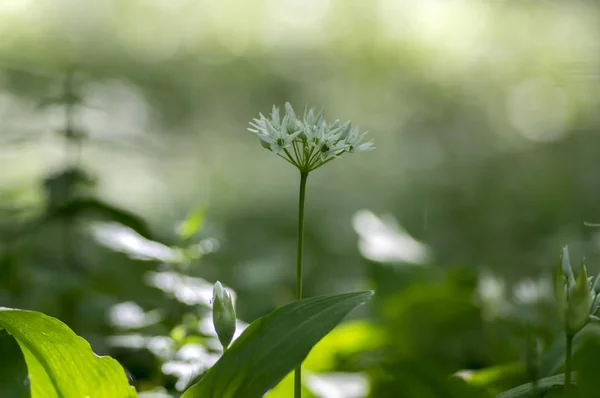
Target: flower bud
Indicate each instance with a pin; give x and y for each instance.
(580, 302)
(574, 296)
(223, 315)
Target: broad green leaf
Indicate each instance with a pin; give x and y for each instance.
(525, 390)
(191, 225)
(274, 345)
(60, 363)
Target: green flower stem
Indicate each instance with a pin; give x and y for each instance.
(303, 178)
(569, 338)
(316, 165)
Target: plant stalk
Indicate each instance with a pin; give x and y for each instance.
(533, 365)
(569, 354)
(303, 178)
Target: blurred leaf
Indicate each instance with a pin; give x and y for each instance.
(554, 358)
(191, 225)
(436, 321)
(60, 363)
(118, 237)
(586, 363)
(78, 207)
(525, 390)
(66, 185)
(419, 378)
(273, 346)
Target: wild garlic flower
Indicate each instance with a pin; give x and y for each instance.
(310, 142)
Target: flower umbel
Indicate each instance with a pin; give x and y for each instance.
(310, 142)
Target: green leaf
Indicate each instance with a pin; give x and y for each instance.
(274, 345)
(525, 391)
(60, 363)
(191, 225)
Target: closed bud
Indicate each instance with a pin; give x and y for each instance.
(580, 303)
(574, 296)
(224, 317)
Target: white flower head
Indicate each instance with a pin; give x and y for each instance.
(310, 142)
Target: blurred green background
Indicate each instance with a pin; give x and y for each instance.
(485, 115)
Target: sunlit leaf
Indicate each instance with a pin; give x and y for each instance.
(286, 386)
(274, 345)
(346, 339)
(60, 363)
(496, 379)
(118, 237)
(191, 225)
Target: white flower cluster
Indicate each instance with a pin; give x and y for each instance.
(308, 143)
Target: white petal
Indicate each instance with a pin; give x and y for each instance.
(275, 116)
(291, 137)
(289, 110)
(272, 131)
(366, 147)
(310, 119)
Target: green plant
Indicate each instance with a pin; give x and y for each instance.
(306, 144)
(572, 310)
(61, 364)
(576, 302)
(274, 345)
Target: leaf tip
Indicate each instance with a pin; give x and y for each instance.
(366, 295)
